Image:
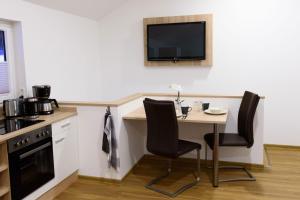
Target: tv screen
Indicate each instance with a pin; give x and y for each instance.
(176, 41)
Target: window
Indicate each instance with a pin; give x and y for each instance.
(2, 47)
(7, 89)
(4, 76)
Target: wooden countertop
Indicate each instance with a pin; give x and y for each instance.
(59, 114)
(113, 103)
(119, 102)
(193, 117)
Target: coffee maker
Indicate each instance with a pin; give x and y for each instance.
(42, 93)
(30, 108)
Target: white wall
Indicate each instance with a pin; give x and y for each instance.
(93, 161)
(60, 49)
(256, 47)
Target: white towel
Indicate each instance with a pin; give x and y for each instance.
(112, 156)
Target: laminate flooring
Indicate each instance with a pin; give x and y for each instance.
(280, 181)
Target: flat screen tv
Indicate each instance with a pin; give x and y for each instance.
(176, 41)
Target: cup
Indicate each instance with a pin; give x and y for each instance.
(205, 106)
(185, 110)
(198, 105)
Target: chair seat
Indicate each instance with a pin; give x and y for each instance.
(186, 146)
(225, 139)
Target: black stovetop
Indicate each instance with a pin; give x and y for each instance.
(10, 125)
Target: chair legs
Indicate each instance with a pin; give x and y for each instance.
(250, 176)
(181, 189)
(206, 161)
(198, 164)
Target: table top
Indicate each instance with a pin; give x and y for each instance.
(193, 117)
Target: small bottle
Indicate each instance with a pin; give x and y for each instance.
(178, 108)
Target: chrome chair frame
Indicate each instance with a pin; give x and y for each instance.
(181, 189)
(251, 177)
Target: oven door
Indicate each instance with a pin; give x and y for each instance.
(30, 168)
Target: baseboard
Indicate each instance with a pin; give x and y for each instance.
(282, 146)
(100, 179)
(189, 160)
(59, 188)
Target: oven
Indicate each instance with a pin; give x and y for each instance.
(30, 161)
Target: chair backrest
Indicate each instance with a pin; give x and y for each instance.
(162, 127)
(246, 116)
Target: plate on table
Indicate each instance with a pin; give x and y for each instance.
(216, 111)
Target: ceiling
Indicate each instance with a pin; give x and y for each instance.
(93, 9)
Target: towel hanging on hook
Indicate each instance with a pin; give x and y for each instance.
(109, 141)
(105, 140)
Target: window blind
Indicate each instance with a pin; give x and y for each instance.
(4, 76)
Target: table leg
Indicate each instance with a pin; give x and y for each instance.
(216, 157)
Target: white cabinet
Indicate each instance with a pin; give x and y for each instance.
(65, 148)
(65, 153)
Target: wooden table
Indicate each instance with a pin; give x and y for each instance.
(196, 117)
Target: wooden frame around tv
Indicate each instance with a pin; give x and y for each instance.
(208, 18)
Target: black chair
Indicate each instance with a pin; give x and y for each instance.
(162, 139)
(244, 137)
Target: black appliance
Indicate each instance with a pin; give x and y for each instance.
(42, 92)
(11, 125)
(31, 162)
(176, 41)
(30, 107)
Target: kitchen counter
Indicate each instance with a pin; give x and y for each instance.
(59, 114)
(124, 100)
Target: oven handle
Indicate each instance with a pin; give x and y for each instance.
(24, 155)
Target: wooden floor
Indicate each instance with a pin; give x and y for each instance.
(281, 181)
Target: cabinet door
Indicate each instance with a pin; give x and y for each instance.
(65, 153)
(65, 148)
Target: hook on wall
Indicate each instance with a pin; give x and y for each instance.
(108, 109)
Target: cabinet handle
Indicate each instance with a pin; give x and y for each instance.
(65, 125)
(59, 141)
